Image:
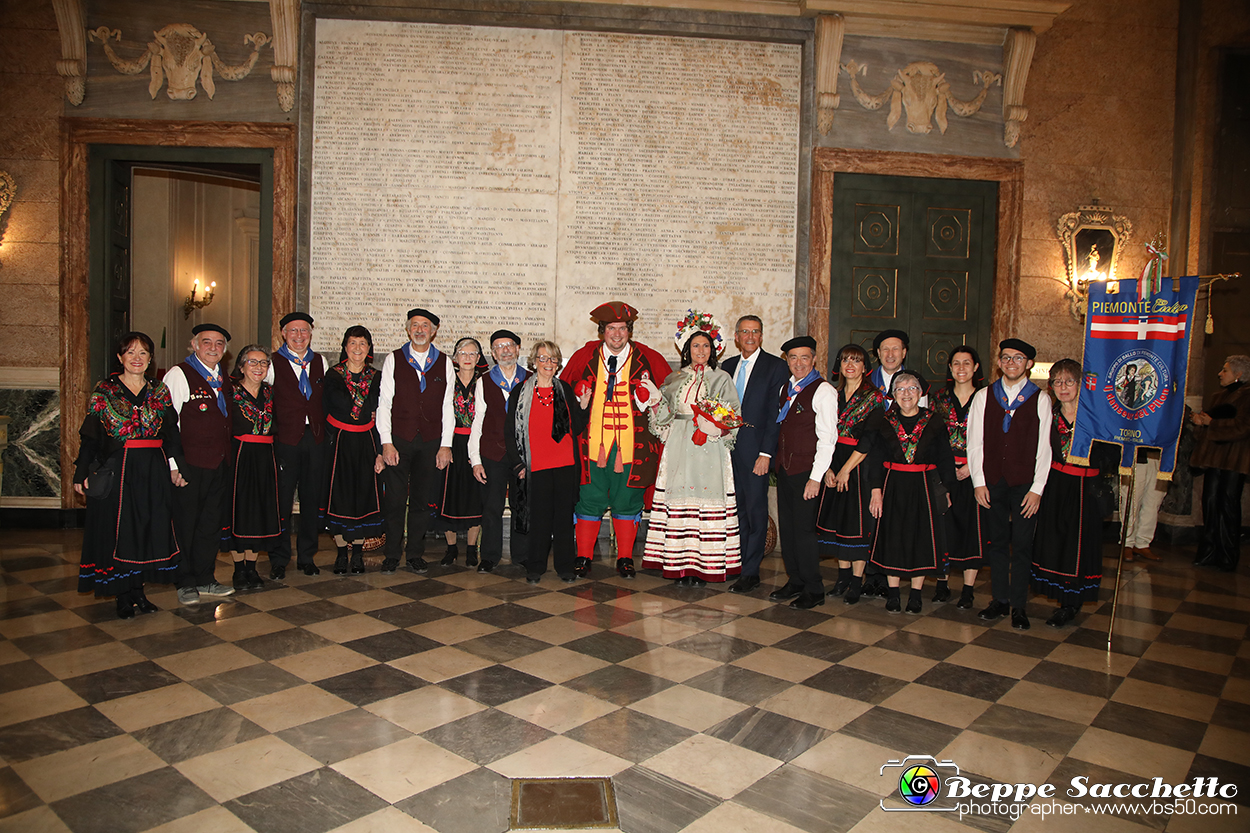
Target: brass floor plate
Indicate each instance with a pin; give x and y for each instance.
(563, 803)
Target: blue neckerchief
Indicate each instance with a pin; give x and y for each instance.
(496, 376)
(429, 362)
(305, 385)
(877, 377)
(1000, 394)
(215, 384)
(793, 390)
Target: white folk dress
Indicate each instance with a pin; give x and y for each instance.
(694, 516)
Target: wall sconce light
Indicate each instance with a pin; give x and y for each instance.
(192, 303)
(8, 191)
(1092, 238)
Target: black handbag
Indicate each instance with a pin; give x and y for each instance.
(100, 480)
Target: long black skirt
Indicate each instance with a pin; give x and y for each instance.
(255, 523)
(354, 499)
(964, 528)
(460, 502)
(844, 526)
(911, 533)
(129, 537)
(1067, 547)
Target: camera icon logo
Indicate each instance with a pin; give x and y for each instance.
(920, 779)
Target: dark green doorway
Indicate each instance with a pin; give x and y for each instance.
(916, 254)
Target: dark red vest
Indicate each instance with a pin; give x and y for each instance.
(1012, 456)
(796, 442)
(492, 445)
(415, 412)
(205, 429)
(291, 411)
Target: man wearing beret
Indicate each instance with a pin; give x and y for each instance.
(758, 376)
(199, 390)
(487, 449)
(296, 374)
(808, 415)
(410, 426)
(620, 456)
(890, 346)
(1009, 459)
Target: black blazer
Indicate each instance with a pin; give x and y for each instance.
(759, 405)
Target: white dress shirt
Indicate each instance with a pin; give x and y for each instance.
(977, 428)
(180, 393)
(316, 359)
(479, 415)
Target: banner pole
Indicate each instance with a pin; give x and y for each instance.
(1119, 566)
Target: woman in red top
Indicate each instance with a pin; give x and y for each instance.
(544, 419)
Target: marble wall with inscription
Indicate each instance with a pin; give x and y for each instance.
(519, 177)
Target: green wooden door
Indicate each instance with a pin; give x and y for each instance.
(913, 254)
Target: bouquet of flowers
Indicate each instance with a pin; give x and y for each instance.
(721, 414)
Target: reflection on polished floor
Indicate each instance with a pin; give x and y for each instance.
(408, 703)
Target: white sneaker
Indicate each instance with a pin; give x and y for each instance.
(188, 596)
(215, 589)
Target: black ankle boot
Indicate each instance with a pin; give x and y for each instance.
(851, 596)
(254, 581)
(358, 558)
(914, 602)
(842, 583)
(943, 591)
(453, 552)
(893, 602)
(340, 562)
(239, 579)
(141, 601)
(965, 598)
(125, 606)
(470, 555)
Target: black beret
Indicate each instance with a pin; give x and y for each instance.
(505, 334)
(424, 313)
(296, 316)
(210, 328)
(884, 334)
(798, 341)
(1029, 351)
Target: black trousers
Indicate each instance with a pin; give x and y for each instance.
(552, 496)
(1008, 544)
(302, 465)
(752, 495)
(499, 480)
(199, 516)
(410, 487)
(796, 525)
(1220, 544)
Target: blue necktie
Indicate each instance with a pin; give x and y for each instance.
(741, 382)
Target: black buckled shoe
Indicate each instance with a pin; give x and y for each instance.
(745, 584)
(625, 568)
(996, 610)
(277, 572)
(807, 601)
(785, 593)
(965, 598)
(310, 569)
(358, 559)
(581, 567)
(340, 562)
(1020, 619)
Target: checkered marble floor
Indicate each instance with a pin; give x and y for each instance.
(407, 703)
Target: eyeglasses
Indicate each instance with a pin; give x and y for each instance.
(1013, 359)
(746, 332)
(547, 360)
(908, 389)
(1063, 383)
(256, 362)
(474, 354)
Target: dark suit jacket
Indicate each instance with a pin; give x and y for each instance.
(759, 405)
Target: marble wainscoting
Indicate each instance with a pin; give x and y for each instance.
(32, 467)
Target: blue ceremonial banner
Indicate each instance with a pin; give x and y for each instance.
(1135, 365)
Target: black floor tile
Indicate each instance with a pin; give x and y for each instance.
(198, 734)
(648, 802)
(284, 643)
(507, 615)
(495, 685)
(619, 685)
(368, 685)
(631, 735)
(322, 610)
(121, 682)
(57, 642)
(769, 734)
(503, 646)
(332, 587)
(1071, 678)
(1204, 766)
(808, 801)
(1097, 639)
(424, 588)
(24, 674)
(392, 645)
(476, 802)
(969, 682)
(603, 616)
(409, 614)
(609, 646)
(314, 802)
(1226, 645)
(1053, 736)
(740, 684)
(1233, 715)
(128, 806)
(1150, 725)
(864, 686)
(716, 646)
(54, 733)
(597, 592)
(917, 644)
(1015, 643)
(818, 646)
(15, 796)
(343, 735)
(486, 736)
(246, 683)
(900, 732)
(177, 641)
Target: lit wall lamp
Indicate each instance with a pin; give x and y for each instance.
(8, 190)
(1092, 238)
(192, 303)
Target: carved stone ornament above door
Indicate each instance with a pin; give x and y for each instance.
(921, 89)
(180, 54)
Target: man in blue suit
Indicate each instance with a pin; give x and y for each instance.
(758, 377)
